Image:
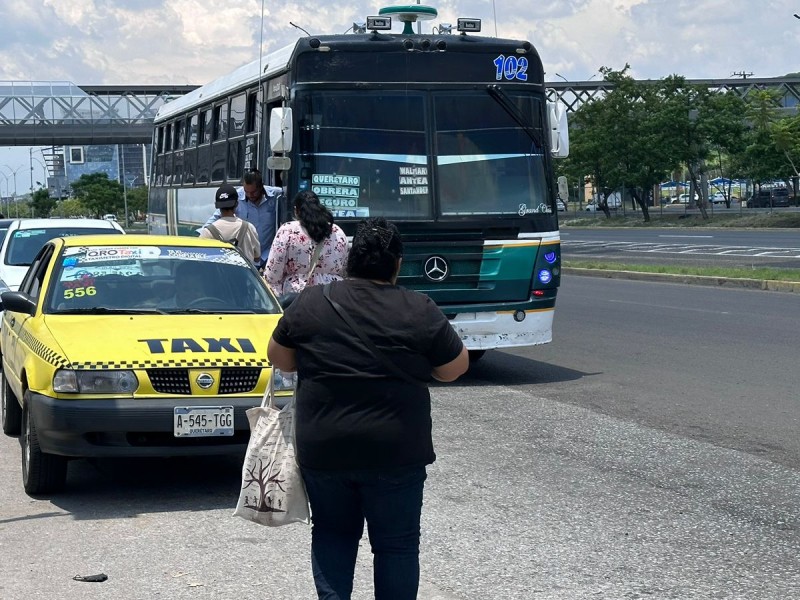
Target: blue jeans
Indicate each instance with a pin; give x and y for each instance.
(391, 502)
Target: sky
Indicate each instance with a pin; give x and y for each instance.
(195, 41)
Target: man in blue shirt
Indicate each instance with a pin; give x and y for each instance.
(258, 204)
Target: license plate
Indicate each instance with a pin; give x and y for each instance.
(203, 421)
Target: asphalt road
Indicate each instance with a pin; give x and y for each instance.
(650, 451)
(746, 248)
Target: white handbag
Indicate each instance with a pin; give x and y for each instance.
(272, 492)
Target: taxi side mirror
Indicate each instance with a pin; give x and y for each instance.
(17, 302)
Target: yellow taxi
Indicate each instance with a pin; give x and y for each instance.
(135, 345)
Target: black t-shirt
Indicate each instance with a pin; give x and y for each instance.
(351, 412)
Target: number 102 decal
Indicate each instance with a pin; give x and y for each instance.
(511, 68)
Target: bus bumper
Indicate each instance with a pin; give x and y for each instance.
(504, 329)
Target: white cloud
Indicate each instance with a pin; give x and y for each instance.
(193, 41)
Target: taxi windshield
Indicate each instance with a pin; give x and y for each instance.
(135, 279)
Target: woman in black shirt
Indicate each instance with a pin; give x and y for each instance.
(363, 426)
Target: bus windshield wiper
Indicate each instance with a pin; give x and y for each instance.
(502, 98)
(105, 310)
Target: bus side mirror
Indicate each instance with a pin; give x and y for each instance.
(280, 129)
(559, 129)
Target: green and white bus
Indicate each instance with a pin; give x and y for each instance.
(448, 135)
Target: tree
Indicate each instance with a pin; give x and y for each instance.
(620, 140)
(590, 138)
(686, 109)
(99, 194)
(762, 159)
(41, 203)
(727, 132)
(641, 150)
(69, 207)
(137, 201)
(785, 135)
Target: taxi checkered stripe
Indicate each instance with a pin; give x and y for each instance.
(44, 352)
(198, 363)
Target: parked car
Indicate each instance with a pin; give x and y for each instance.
(614, 201)
(769, 198)
(25, 237)
(684, 198)
(561, 205)
(717, 198)
(110, 217)
(132, 346)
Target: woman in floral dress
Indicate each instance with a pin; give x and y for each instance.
(292, 253)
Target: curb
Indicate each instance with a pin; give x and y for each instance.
(753, 284)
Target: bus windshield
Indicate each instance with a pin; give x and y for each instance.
(486, 163)
(366, 153)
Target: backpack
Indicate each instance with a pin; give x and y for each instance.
(236, 241)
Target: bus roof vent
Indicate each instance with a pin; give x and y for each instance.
(410, 14)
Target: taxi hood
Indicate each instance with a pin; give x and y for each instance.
(154, 341)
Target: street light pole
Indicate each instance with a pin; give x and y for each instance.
(30, 160)
(15, 171)
(124, 191)
(3, 201)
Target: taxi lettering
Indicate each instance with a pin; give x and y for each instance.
(178, 345)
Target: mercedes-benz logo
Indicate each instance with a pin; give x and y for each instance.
(205, 381)
(436, 268)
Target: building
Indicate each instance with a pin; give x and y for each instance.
(128, 163)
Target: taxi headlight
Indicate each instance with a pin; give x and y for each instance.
(95, 382)
(283, 381)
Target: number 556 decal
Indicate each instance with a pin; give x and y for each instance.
(79, 292)
(511, 68)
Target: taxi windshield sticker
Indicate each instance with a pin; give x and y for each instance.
(109, 258)
(84, 254)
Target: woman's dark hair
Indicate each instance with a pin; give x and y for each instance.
(315, 218)
(253, 176)
(375, 250)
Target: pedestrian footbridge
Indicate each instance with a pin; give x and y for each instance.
(37, 113)
(45, 113)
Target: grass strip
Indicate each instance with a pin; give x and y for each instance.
(736, 220)
(729, 273)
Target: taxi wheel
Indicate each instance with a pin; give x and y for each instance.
(41, 473)
(11, 411)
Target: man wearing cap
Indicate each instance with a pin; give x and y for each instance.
(258, 204)
(229, 227)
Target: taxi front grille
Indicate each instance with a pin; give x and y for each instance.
(170, 381)
(233, 380)
(238, 380)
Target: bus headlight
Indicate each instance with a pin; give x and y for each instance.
(545, 276)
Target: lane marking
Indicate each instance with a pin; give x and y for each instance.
(680, 308)
(686, 236)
